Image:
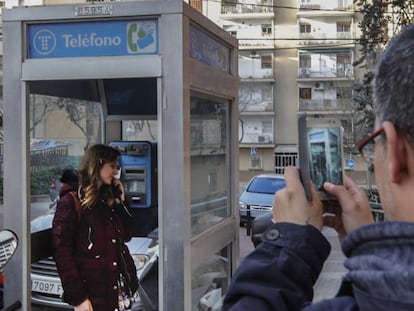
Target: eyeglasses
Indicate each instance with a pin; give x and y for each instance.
(366, 146)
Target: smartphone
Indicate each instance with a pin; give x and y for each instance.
(303, 156)
(322, 149)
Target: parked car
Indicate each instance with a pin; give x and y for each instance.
(46, 285)
(259, 194)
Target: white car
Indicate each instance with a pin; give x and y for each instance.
(259, 194)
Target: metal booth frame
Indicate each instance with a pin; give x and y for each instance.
(181, 76)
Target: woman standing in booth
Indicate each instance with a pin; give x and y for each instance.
(89, 231)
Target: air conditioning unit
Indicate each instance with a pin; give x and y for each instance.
(318, 86)
(264, 139)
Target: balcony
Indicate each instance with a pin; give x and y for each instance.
(257, 138)
(337, 71)
(310, 6)
(260, 7)
(263, 41)
(324, 104)
(256, 108)
(318, 38)
(325, 6)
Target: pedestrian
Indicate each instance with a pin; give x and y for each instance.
(89, 234)
(281, 272)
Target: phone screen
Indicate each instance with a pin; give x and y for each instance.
(320, 153)
(325, 155)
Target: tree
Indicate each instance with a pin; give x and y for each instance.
(250, 99)
(381, 21)
(80, 113)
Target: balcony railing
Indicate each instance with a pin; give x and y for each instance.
(266, 41)
(259, 106)
(256, 138)
(316, 5)
(323, 38)
(324, 104)
(242, 8)
(341, 71)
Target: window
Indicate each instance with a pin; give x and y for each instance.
(304, 61)
(255, 162)
(267, 127)
(266, 61)
(209, 164)
(304, 28)
(266, 29)
(305, 93)
(343, 27)
(197, 4)
(283, 159)
(343, 58)
(266, 93)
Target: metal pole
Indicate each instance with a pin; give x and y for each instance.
(248, 221)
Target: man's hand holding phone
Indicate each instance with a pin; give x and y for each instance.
(352, 208)
(290, 203)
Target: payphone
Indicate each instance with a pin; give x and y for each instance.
(138, 165)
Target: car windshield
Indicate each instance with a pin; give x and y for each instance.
(266, 185)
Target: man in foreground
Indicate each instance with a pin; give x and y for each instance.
(281, 272)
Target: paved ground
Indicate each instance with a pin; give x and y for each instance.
(330, 277)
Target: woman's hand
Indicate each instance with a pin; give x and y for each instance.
(116, 182)
(84, 306)
(290, 204)
(354, 211)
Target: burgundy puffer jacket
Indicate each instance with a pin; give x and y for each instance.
(91, 253)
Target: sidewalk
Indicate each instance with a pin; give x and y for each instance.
(330, 278)
(333, 270)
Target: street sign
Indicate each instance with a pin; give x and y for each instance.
(253, 151)
(351, 164)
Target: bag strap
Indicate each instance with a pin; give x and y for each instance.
(77, 204)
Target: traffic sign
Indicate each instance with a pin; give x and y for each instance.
(351, 164)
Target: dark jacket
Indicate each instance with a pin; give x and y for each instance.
(281, 272)
(90, 255)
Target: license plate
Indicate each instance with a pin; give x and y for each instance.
(44, 285)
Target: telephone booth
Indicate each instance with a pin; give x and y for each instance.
(109, 69)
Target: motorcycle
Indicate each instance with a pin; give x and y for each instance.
(8, 246)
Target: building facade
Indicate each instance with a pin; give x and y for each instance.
(294, 56)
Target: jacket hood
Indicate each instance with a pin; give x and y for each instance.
(381, 265)
(69, 181)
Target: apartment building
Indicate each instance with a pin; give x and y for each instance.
(294, 56)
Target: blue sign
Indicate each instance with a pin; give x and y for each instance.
(86, 39)
(351, 164)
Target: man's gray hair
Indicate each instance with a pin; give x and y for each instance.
(394, 83)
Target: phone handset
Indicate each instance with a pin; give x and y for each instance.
(116, 191)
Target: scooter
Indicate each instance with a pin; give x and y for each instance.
(8, 245)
